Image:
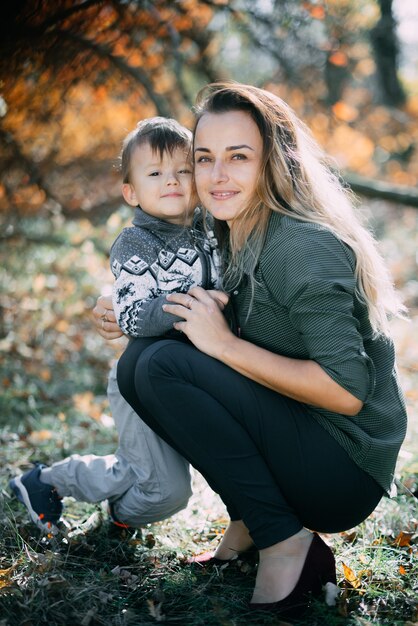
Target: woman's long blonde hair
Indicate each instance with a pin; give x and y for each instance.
(296, 180)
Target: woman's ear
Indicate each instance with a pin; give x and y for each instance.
(129, 194)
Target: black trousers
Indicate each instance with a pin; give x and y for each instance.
(273, 465)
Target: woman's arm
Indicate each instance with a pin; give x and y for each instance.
(302, 380)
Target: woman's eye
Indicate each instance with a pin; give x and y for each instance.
(203, 159)
(239, 157)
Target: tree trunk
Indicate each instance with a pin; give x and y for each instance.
(386, 51)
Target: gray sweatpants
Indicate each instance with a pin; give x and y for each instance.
(146, 480)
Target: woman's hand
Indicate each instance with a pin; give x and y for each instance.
(105, 320)
(221, 298)
(204, 323)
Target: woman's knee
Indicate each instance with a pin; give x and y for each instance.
(161, 360)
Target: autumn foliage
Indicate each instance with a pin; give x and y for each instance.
(75, 76)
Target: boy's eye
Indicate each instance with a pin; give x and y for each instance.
(186, 170)
(153, 174)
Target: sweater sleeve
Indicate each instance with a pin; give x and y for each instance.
(136, 302)
(318, 290)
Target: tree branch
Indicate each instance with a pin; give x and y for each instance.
(13, 30)
(97, 214)
(135, 72)
(379, 189)
(60, 17)
(30, 167)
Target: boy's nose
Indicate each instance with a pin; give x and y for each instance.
(172, 179)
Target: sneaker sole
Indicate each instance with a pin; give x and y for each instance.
(22, 495)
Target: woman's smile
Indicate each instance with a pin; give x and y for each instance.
(223, 195)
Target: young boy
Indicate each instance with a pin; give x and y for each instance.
(165, 250)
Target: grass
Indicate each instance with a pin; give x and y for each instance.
(53, 370)
(101, 576)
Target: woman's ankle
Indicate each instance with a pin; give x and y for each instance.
(236, 539)
(292, 546)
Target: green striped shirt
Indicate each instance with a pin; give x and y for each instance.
(305, 307)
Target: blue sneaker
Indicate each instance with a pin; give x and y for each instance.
(41, 500)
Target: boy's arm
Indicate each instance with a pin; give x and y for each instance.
(138, 309)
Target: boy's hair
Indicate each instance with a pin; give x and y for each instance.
(162, 134)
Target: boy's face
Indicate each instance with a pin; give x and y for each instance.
(161, 186)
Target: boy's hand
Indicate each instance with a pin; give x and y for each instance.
(105, 320)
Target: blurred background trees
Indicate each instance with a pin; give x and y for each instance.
(75, 76)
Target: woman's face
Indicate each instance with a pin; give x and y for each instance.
(228, 155)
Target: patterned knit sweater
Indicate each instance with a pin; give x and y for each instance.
(152, 259)
(305, 306)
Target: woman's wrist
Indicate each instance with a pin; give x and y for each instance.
(228, 350)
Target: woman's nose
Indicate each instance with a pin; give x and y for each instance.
(219, 171)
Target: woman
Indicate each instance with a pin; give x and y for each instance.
(296, 419)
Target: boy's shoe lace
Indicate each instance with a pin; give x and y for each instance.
(41, 500)
(129, 530)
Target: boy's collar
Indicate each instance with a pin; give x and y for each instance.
(144, 220)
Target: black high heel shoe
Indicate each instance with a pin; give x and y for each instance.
(318, 569)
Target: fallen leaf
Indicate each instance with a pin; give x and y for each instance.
(88, 617)
(350, 576)
(38, 436)
(105, 597)
(5, 582)
(344, 111)
(54, 581)
(45, 374)
(349, 537)
(155, 610)
(403, 539)
(62, 326)
(6, 572)
(338, 58)
(85, 403)
(317, 12)
(149, 540)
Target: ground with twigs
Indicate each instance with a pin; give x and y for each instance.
(53, 370)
